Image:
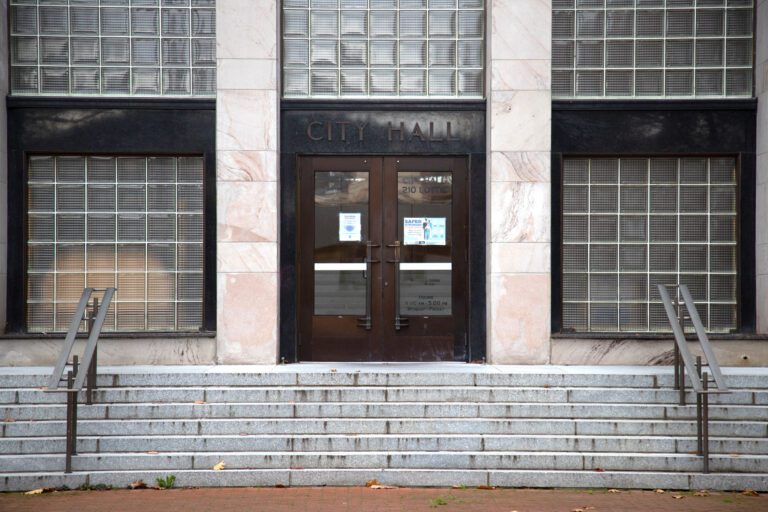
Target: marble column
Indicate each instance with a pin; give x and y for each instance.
(761, 212)
(246, 182)
(519, 209)
(4, 70)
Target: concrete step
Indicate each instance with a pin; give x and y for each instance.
(476, 394)
(390, 460)
(289, 426)
(342, 374)
(172, 410)
(399, 477)
(366, 443)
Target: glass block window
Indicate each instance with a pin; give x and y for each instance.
(135, 223)
(113, 47)
(383, 48)
(652, 48)
(632, 223)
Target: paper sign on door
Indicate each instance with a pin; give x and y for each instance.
(424, 231)
(349, 227)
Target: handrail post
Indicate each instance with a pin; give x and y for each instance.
(74, 393)
(705, 421)
(68, 442)
(699, 416)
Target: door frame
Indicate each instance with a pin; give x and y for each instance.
(419, 129)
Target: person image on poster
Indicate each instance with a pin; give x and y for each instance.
(427, 227)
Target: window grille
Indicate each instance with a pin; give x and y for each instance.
(113, 47)
(632, 223)
(644, 48)
(131, 222)
(383, 48)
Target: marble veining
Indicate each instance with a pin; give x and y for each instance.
(246, 120)
(533, 166)
(520, 212)
(238, 257)
(520, 120)
(246, 29)
(521, 29)
(520, 258)
(246, 212)
(246, 165)
(521, 75)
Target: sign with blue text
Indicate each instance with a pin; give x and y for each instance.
(424, 231)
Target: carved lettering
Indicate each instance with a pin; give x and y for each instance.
(416, 132)
(343, 125)
(310, 134)
(448, 132)
(401, 131)
(360, 128)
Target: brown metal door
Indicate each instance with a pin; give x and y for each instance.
(382, 258)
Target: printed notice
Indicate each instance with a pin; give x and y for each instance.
(424, 231)
(349, 227)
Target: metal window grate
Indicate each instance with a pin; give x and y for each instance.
(615, 49)
(113, 47)
(632, 223)
(131, 222)
(383, 48)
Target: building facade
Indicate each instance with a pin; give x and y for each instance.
(384, 180)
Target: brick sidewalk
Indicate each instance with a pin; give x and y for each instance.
(354, 499)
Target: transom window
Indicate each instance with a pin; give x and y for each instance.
(383, 48)
(652, 48)
(113, 47)
(632, 223)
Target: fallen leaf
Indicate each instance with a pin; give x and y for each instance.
(582, 509)
(750, 492)
(702, 492)
(138, 484)
(659, 491)
(678, 496)
(280, 486)
(8, 419)
(599, 470)
(486, 487)
(333, 370)
(614, 491)
(35, 491)
(200, 402)
(378, 486)
(371, 483)
(152, 452)
(218, 467)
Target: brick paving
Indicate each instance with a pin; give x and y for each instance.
(354, 499)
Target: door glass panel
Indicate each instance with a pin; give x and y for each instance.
(424, 217)
(341, 230)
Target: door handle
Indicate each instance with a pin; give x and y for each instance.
(366, 322)
(400, 321)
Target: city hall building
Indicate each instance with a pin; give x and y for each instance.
(383, 180)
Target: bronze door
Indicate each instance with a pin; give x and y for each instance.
(382, 257)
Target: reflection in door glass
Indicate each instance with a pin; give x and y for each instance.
(341, 230)
(424, 207)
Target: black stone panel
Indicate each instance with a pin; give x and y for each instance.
(105, 126)
(660, 128)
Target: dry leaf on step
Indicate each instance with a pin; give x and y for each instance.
(200, 402)
(379, 486)
(678, 496)
(749, 492)
(371, 483)
(138, 484)
(702, 492)
(218, 467)
(486, 487)
(614, 491)
(659, 491)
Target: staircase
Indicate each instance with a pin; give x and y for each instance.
(401, 424)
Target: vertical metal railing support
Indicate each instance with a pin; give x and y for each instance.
(684, 362)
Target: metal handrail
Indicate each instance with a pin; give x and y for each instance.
(685, 361)
(75, 378)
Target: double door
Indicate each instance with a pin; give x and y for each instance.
(382, 258)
